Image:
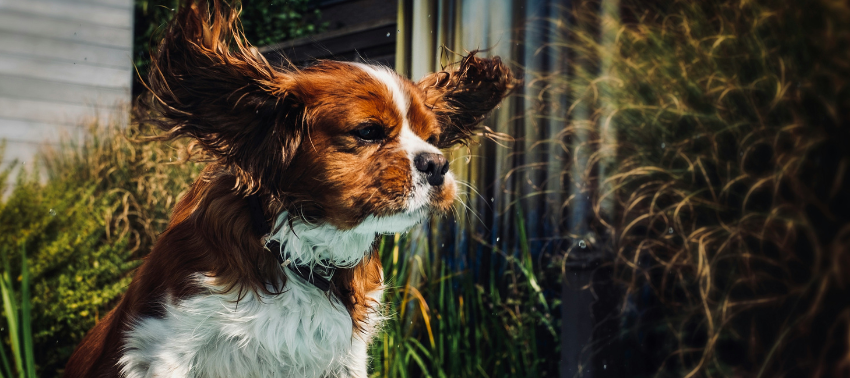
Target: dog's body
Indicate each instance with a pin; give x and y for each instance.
(330, 156)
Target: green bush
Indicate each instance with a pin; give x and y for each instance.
(101, 207)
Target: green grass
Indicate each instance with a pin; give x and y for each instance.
(443, 323)
(18, 313)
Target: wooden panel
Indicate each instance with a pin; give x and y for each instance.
(63, 50)
(63, 63)
(371, 44)
(51, 112)
(358, 30)
(34, 89)
(65, 10)
(23, 152)
(76, 31)
(65, 72)
(345, 14)
(17, 131)
(120, 4)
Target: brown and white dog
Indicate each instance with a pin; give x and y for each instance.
(268, 266)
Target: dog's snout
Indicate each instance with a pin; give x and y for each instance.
(433, 165)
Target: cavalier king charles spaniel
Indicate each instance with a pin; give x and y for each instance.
(268, 267)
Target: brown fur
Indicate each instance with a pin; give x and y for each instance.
(284, 134)
(462, 97)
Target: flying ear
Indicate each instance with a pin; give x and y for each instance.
(210, 84)
(462, 97)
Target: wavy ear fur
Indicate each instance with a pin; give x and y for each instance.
(210, 84)
(462, 97)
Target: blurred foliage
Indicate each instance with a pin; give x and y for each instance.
(717, 139)
(263, 22)
(103, 203)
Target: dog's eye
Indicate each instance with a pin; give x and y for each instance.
(370, 132)
(432, 140)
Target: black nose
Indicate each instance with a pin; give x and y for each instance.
(434, 166)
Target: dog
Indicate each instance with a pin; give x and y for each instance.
(268, 267)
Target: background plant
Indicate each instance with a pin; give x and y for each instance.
(443, 322)
(104, 201)
(18, 322)
(722, 189)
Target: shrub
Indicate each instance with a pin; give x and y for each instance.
(100, 209)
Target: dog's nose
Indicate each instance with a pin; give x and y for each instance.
(433, 165)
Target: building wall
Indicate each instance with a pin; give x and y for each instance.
(62, 63)
(357, 30)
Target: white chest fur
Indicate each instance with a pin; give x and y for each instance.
(300, 333)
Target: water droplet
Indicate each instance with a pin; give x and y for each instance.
(663, 144)
(497, 239)
(670, 230)
(492, 199)
(52, 212)
(443, 245)
(388, 34)
(582, 244)
(605, 367)
(429, 16)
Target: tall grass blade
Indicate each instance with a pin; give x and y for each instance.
(11, 316)
(26, 316)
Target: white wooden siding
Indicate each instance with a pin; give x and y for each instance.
(62, 63)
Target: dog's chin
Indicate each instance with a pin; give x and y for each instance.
(390, 224)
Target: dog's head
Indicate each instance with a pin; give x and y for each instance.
(346, 144)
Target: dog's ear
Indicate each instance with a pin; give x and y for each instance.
(462, 96)
(210, 84)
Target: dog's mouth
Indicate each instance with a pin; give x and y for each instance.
(309, 243)
(423, 201)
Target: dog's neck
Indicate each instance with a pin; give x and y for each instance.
(310, 245)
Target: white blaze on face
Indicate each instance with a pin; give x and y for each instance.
(413, 145)
(312, 244)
